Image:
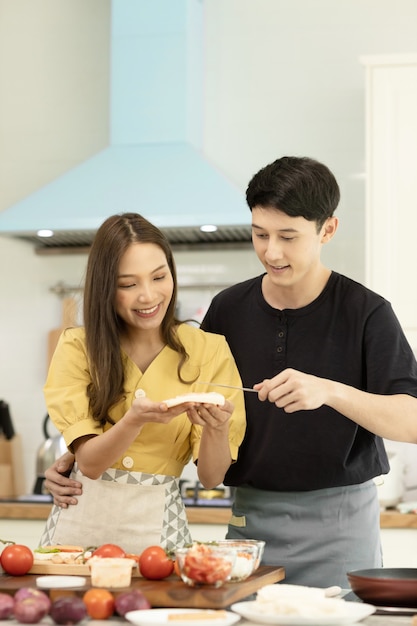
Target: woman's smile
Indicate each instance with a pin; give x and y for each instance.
(148, 312)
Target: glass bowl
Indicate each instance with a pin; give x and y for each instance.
(204, 564)
(256, 544)
(245, 562)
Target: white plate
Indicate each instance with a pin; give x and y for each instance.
(60, 582)
(161, 616)
(355, 611)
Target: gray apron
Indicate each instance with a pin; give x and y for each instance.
(317, 536)
(131, 509)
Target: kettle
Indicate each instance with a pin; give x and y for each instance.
(50, 450)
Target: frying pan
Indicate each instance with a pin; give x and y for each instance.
(386, 586)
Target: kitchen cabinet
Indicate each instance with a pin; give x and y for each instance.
(391, 183)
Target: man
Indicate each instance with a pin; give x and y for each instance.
(334, 375)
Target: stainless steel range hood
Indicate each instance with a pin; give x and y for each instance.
(153, 164)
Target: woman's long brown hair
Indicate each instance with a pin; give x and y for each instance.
(102, 324)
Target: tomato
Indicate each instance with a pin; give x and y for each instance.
(100, 603)
(155, 563)
(135, 557)
(16, 559)
(109, 550)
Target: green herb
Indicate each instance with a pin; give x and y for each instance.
(46, 550)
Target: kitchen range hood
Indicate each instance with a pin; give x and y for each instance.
(153, 165)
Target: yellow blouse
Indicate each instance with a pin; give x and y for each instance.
(159, 448)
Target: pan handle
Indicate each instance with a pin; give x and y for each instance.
(45, 426)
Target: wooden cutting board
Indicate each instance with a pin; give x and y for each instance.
(171, 592)
(45, 568)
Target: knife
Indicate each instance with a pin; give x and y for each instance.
(394, 610)
(199, 382)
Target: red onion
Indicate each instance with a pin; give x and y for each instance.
(29, 610)
(131, 601)
(6, 605)
(68, 610)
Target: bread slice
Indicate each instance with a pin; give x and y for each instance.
(61, 548)
(58, 554)
(200, 398)
(197, 615)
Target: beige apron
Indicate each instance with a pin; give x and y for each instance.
(131, 509)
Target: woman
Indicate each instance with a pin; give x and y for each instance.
(130, 449)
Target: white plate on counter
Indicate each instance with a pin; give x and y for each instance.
(60, 582)
(155, 617)
(355, 611)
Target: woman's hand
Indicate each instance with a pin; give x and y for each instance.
(144, 410)
(62, 488)
(210, 415)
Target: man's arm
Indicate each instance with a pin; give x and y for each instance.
(62, 488)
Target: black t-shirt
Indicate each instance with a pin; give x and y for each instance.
(348, 334)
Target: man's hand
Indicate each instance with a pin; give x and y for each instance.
(62, 488)
(293, 391)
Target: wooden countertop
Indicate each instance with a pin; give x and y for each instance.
(40, 511)
(196, 515)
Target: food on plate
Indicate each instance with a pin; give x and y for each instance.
(68, 610)
(198, 615)
(133, 600)
(155, 563)
(76, 555)
(60, 554)
(204, 564)
(210, 397)
(6, 605)
(297, 600)
(100, 603)
(16, 559)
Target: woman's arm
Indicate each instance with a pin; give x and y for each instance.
(214, 456)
